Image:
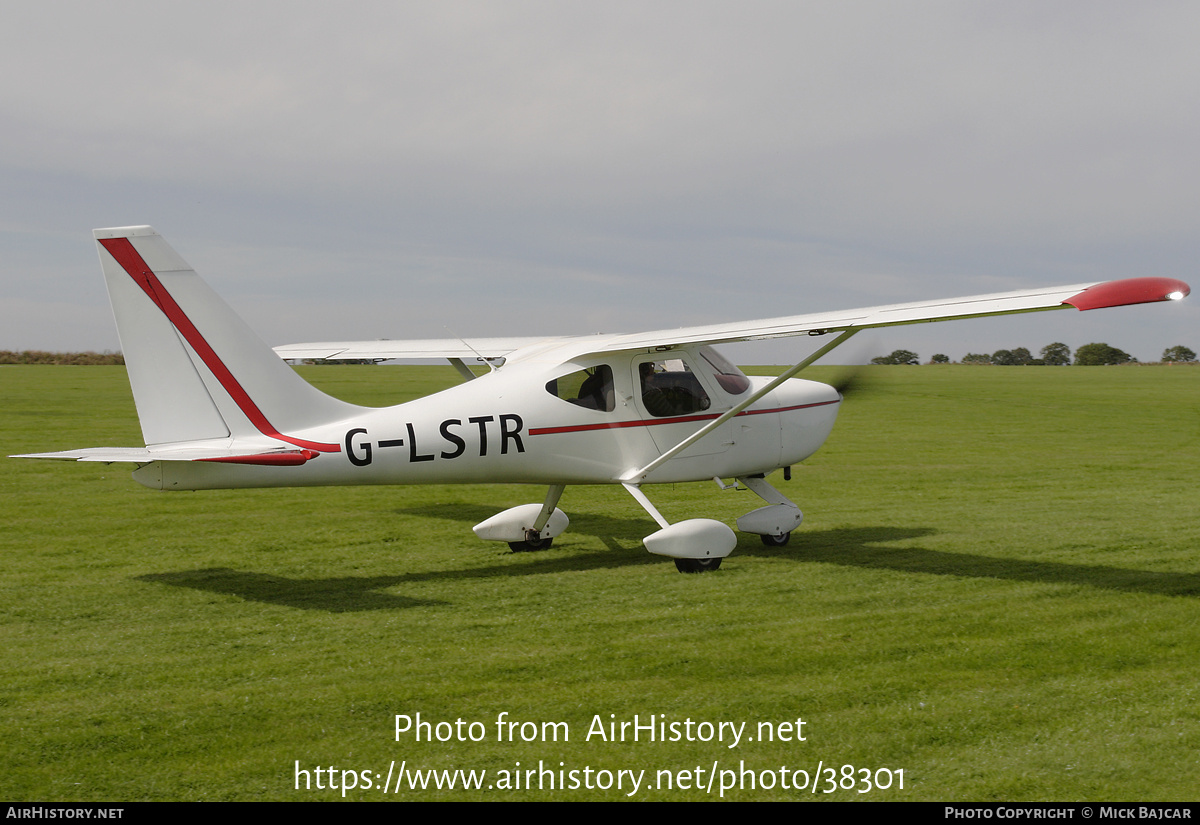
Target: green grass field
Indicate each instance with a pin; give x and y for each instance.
(995, 590)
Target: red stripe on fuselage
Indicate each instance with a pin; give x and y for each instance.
(651, 422)
(127, 256)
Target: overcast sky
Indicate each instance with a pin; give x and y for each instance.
(396, 170)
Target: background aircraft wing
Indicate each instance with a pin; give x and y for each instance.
(416, 348)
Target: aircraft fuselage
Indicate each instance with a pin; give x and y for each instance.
(505, 427)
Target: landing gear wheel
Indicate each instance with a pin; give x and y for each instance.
(529, 545)
(696, 565)
(776, 541)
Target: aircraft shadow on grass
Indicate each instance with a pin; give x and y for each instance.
(337, 595)
(851, 546)
(350, 594)
(358, 593)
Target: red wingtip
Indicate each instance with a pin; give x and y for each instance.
(1129, 291)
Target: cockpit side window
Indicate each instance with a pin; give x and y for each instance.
(591, 388)
(669, 388)
(731, 379)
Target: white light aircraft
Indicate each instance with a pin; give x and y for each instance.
(219, 409)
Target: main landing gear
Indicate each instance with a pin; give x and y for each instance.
(696, 545)
(696, 565)
(527, 527)
(530, 544)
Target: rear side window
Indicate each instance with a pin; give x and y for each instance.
(591, 388)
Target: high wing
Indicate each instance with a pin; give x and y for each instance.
(1081, 296)
(1085, 296)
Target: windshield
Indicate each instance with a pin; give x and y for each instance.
(731, 379)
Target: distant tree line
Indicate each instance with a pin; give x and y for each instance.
(1052, 355)
(33, 356)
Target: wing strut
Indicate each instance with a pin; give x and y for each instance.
(639, 476)
(637, 493)
(462, 368)
(552, 496)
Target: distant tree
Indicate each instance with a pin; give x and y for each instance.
(976, 358)
(1178, 355)
(940, 359)
(900, 356)
(1018, 357)
(1056, 354)
(1094, 355)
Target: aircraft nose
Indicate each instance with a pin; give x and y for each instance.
(798, 392)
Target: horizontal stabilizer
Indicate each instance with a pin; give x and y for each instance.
(145, 455)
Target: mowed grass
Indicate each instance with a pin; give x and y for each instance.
(996, 590)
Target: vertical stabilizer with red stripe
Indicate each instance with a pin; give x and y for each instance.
(197, 371)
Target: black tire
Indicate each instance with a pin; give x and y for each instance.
(776, 541)
(530, 545)
(696, 565)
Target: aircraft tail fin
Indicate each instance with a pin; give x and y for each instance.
(198, 372)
